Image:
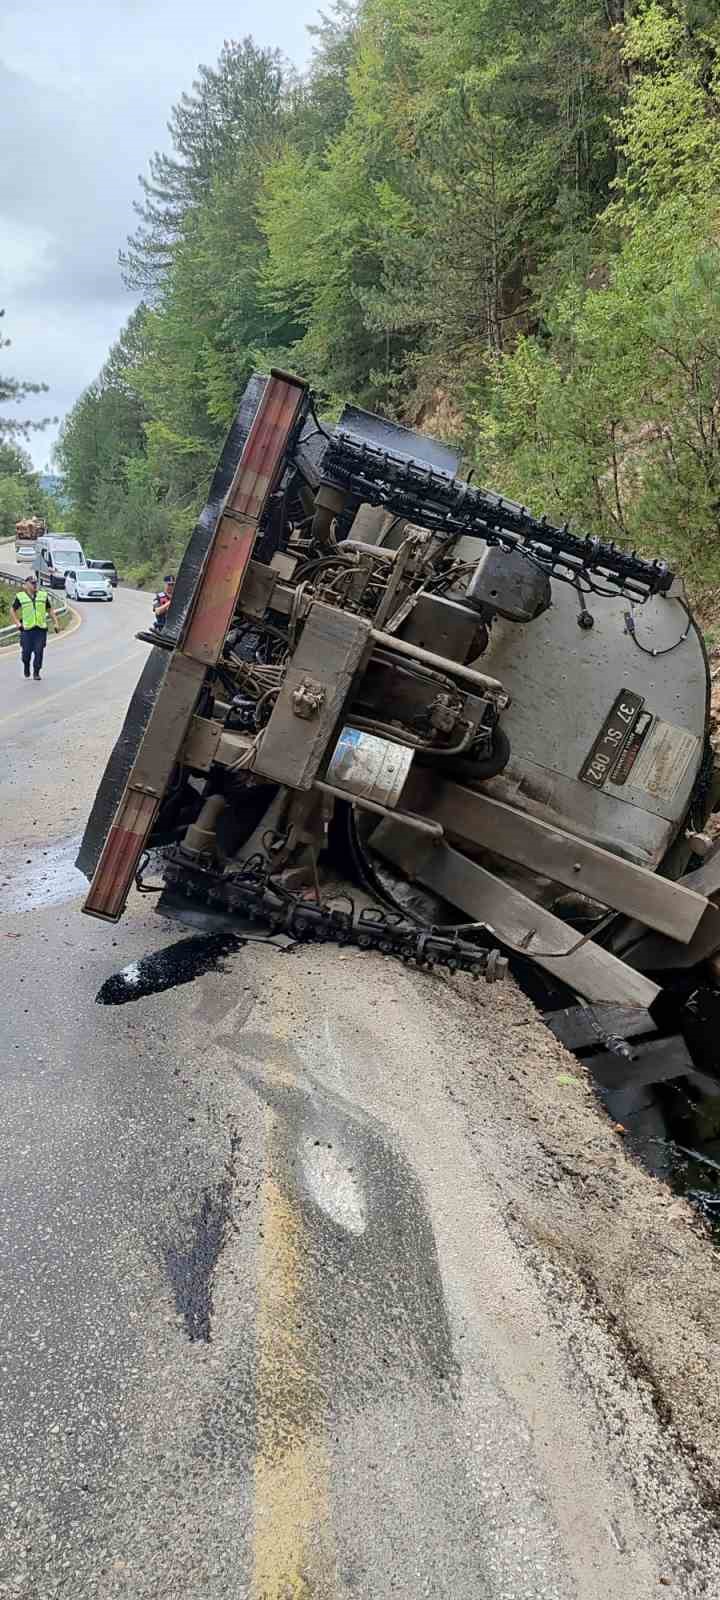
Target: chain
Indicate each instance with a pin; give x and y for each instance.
(251, 892)
(451, 507)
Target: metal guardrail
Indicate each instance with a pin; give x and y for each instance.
(9, 635)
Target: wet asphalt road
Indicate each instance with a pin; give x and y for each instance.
(55, 733)
(261, 1331)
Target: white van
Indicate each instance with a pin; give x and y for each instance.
(55, 555)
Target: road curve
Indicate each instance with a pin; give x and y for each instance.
(51, 729)
(273, 1321)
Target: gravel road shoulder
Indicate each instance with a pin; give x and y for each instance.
(637, 1252)
(630, 1275)
(589, 1288)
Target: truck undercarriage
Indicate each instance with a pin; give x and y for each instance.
(495, 727)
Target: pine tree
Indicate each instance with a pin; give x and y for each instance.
(232, 107)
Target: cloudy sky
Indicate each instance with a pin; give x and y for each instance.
(85, 91)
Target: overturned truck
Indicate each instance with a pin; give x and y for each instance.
(497, 726)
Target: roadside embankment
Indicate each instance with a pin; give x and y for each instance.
(582, 1207)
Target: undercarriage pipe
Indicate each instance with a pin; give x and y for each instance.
(420, 824)
(454, 669)
(200, 836)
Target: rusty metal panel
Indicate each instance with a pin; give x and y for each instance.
(149, 686)
(148, 780)
(212, 615)
(333, 646)
(121, 853)
(200, 645)
(231, 549)
(257, 588)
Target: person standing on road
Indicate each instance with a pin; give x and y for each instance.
(161, 603)
(31, 608)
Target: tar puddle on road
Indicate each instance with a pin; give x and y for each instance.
(190, 1266)
(693, 1148)
(178, 963)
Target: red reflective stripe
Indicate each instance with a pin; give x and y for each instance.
(202, 642)
(212, 619)
(231, 550)
(121, 853)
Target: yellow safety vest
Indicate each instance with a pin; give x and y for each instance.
(33, 613)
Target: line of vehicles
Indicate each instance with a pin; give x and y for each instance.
(59, 562)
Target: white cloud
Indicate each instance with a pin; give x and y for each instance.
(25, 249)
(85, 93)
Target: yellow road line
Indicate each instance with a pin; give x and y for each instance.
(291, 1466)
(293, 1553)
(34, 705)
(66, 633)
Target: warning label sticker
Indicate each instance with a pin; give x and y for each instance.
(623, 767)
(663, 760)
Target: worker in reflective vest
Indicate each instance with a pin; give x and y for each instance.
(31, 608)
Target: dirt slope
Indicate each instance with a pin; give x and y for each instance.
(638, 1256)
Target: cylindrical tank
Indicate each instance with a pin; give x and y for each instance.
(369, 767)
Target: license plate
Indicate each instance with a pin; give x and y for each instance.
(612, 739)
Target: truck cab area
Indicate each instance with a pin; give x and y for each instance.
(54, 556)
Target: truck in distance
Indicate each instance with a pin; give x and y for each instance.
(27, 533)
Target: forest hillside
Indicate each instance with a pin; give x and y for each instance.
(497, 219)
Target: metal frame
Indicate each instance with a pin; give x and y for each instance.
(200, 644)
(675, 909)
(518, 921)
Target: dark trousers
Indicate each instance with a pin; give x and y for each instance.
(32, 645)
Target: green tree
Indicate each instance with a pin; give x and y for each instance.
(232, 108)
(500, 216)
(321, 102)
(101, 431)
(15, 462)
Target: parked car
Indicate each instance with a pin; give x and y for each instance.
(85, 584)
(108, 567)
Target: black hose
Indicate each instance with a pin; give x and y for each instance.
(486, 766)
(367, 877)
(310, 567)
(373, 883)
